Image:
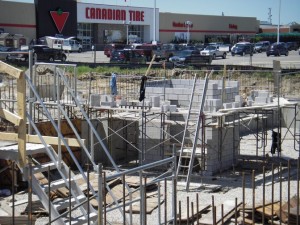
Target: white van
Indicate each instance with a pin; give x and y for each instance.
(71, 45)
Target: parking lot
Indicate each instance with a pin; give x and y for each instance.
(258, 59)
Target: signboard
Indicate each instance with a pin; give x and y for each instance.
(109, 14)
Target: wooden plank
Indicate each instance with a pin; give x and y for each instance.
(12, 71)
(21, 104)
(18, 220)
(11, 117)
(268, 209)
(72, 142)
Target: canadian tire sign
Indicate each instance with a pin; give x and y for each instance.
(59, 18)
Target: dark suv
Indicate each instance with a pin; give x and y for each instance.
(109, 48)
(127, 56)
(292, 46)
(242, 49)
(277, 49)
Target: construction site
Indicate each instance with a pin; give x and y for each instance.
(176, 146)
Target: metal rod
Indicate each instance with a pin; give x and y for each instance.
(243, 184)
(197, 202)
(123, 184)
(13, 192)
(49, 195)
(298, 175)
(100, 195)
(264, 193)
(165, 213)
(30, 192)
(280, 193)
(159, 208)
(187, 209)
(70, 197)
(289, 189)
(235, 213)
(253, 195)
(104, 199)
(88, 194)
(145, 201)
(272, 194)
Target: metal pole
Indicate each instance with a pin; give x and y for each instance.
(278, 25)
(100, 193)
(70, 197)
(13, 192)
(253, 195)
(30, 192)
(88, 194)
(174, 184)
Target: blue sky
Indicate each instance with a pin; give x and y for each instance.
(290, 9)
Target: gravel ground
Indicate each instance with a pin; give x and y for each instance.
(223, 187)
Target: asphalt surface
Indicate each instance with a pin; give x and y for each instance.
(258, 59)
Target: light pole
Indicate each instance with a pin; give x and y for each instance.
(126, 23)
(278, 26)
(188, 24)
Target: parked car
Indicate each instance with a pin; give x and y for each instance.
(214, 51)
(292, 46)
(4, 51)
(44, 53)
(127, 56)
(261, 46)
(109, 48)
(242, 48)
(277, 49)
(18, 55)
(169, 50)
(181, 56)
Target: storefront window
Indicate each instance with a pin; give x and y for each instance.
(136, 33)
(84, 33)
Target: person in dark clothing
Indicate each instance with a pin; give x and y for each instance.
(276, 142)
(143, 88)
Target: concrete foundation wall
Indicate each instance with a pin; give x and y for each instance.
(118, 148)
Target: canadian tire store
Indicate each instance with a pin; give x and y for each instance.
(98, 24)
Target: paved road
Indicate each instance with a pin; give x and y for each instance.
(258, 59)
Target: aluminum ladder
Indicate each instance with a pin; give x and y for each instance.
(190, 134)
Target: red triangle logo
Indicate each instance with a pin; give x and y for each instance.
(60, 18)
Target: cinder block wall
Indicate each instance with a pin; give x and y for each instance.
(155, 147)
(118, 148)
(221, 149)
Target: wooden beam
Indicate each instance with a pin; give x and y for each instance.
(72, 142)
(11, 117)
(10, 70)
(21, 104)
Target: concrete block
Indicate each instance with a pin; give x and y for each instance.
(263, 94)
(227, 105)
(261, 100)
(103, 98)
(155, 101)
(235, 104)
(238, 98)
(95, 99)
(173, 108)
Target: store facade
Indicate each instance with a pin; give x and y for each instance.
(102, 24)
(205, 28)
(99, 24)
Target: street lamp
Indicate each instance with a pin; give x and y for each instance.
(126, 23)
(188, 24)
(278, 26)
